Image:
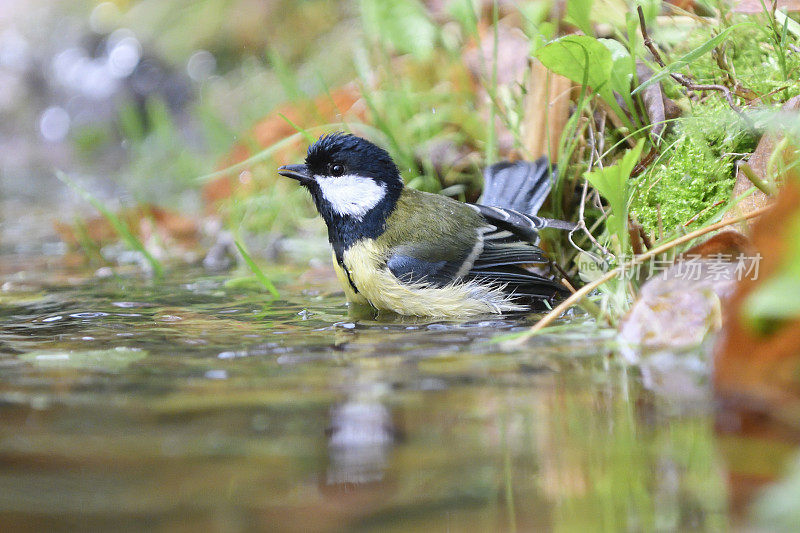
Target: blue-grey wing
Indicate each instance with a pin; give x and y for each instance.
(410, 269)
(501, 258)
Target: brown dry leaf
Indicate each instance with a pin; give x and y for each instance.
(685, 5)
(758, 373)
(728, 243)
(546, 111)
(657, 105)
(756, 377)
(758, 162)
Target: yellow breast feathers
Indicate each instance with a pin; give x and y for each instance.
(377, 286)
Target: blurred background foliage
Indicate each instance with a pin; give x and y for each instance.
(146, 102)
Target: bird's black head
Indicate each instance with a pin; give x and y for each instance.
(354, 183)
(342, 154)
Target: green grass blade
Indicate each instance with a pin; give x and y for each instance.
(266, 153)
(307, 136)
(790, 25)
(260, 276)
(117, 223)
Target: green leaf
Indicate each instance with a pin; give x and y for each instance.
(612, 183)
(691, 56)
(776, 299)
(262, 278)
(584, 60)
(463, 12)
(579, 13)
(622, 66)
(403, 24)
(287, 76)
(117, 223)
(578, 57)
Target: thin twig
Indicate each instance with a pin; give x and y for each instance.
(703, 211)
(579, 246)
(680, 78)
(593, 152)
(565, 279)
(582, 224)
(588, 288)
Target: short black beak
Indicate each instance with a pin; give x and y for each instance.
(296, 172)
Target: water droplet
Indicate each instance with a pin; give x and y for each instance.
(201, 65)
(104, 272)
(14, 51)
(54, 124)
(96, 314)
(217, 374)
(52, 318)
(130, 304)
(124, 56)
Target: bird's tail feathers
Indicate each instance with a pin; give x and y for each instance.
(522, 185)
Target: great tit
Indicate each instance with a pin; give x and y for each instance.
(417, 253)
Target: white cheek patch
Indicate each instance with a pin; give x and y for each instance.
(351, 195)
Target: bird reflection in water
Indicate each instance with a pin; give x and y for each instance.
(361, 436)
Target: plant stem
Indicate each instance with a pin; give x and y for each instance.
(763, 185)
(491, 142)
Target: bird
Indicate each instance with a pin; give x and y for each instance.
(416, 253)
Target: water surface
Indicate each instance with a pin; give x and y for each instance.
(186, 404)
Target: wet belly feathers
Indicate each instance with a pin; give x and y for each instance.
(366, 279)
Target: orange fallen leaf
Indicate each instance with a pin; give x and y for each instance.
(757, 372)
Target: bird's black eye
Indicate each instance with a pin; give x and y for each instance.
(336, 169)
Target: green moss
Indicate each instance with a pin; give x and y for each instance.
(694, 181)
